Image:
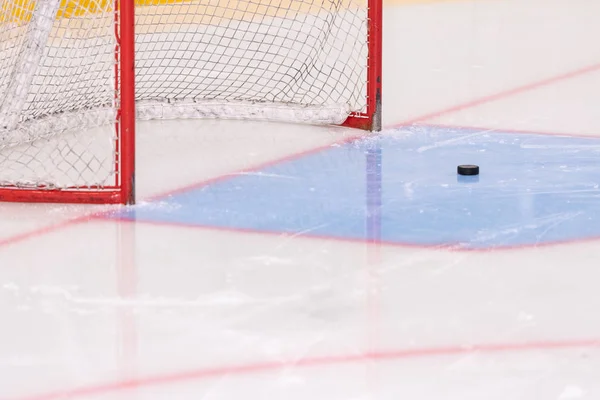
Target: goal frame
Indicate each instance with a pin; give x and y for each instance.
(123, 189)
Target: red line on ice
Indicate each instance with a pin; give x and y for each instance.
(325, 361)
(504, 94)
(407, 245)
(473, 103)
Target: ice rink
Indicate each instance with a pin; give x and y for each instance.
(280, 261)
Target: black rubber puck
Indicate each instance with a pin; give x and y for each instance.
(468, 170)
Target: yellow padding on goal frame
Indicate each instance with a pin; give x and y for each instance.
(22, 10)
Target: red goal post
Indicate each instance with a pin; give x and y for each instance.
(74, 79)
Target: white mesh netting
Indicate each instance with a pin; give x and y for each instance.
(302, 61)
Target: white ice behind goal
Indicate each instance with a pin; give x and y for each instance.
(64, 78)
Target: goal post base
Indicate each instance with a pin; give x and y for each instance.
(362, 121)
(75, 196)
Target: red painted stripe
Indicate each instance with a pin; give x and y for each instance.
(502, 95)
(258, 167)
(473, 103)
(457, 248)
(325, 361)
(37, 232)
(20, 237)
(512, 130)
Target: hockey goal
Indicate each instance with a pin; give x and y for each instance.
(76, 74)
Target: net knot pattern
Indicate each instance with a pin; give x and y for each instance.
(299, 61)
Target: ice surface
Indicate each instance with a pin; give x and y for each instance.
(98, 308)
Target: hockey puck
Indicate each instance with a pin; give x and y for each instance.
(468, 170)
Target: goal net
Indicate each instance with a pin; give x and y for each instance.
(62, 137)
